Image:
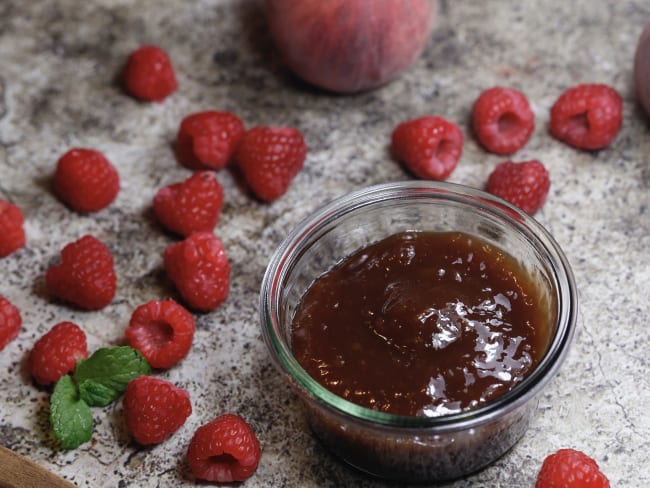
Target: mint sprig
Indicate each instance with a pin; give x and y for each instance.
(103, 377)
(71, 418)
(98, 381)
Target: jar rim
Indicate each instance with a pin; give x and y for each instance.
(286, 253)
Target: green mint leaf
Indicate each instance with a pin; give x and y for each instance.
(70, 416)
(97, 394)
(103, 377)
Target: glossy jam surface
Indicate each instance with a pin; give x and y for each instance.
(422, 323)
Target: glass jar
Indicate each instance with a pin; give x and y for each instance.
(413, 448)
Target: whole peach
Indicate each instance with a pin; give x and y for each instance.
(642, 68)
(348, 46)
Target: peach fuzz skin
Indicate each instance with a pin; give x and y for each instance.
(349, 46)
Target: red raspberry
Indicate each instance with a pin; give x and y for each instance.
(208, 139)
(502, 120)
(154, 409)
(12, 234)
(199, 268)
(524, 184)
(85, 276)
(10, 322)
(224, 450)
(192, 205)
(568, 468)
(162, 331)
(429, 147)
(85, 180)
(587, 116)
(149, 74)
(270, 157)
(56, 353)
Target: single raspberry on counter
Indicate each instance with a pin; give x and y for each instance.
(502, 120)
(524, 184)
(10, 322)
(85, 180)
(208, 139)
(12, 233)
(193, 205)
(85, 276)
(199, 268)
(56, 352)
(224, 450)
(587, 116)
(154, 409)
(149, 74)
(429, 147)
(162, 331)
(569, 468)
(270, 158)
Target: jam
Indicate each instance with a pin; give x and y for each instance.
(422, 324)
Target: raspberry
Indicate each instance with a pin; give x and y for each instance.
(56, 353)
(200, 270)
(429, 147)
(85, 276)
(523, 184)
(270, 158)
(224, 450)
(10, 322)
(208, 139)
(85, 180)
(192, 205)
(12, 234)
(502, 120)
(154, 409)
(569, 468)
(587, 116)
(162, 331)
(149, 74)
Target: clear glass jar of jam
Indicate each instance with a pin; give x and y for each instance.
(455, 427)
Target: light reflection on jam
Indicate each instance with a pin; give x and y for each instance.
(421, 323)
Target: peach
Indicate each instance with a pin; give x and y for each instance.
(349, 46)
(642, 68)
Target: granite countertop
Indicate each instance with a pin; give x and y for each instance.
(59, 66)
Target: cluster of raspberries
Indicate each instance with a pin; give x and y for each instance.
(586, 116)
(226, 449)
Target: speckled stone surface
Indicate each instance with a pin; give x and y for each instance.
(59, 66)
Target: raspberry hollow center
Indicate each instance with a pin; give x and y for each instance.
(222, 459)
(447, 151)
(579, 123)
(508, 123)
(159, 333)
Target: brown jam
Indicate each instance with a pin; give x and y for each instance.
(422, 323)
